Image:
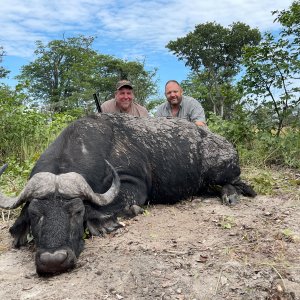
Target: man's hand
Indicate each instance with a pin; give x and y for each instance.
(200, 123)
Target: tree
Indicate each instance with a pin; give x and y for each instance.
(272, 71)
(214, 52)
(3, 71)
(290, 19)
(110, 70)
(56, 74)
(66, 73)
(198, 86)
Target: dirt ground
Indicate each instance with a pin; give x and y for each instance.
(197, 249)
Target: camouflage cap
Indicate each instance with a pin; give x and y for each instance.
(123, 83)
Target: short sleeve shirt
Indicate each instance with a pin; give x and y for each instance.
(190, 109)
(136, 109)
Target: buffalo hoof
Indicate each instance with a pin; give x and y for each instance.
(229, 195)
(136, 210)
(132, 211)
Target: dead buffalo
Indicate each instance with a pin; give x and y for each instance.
(104, 166)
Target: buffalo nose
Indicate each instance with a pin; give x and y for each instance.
(55, 258)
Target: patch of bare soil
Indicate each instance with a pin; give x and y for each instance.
(197, 249)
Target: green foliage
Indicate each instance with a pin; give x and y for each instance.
(238, 130)
(263, 183)
(143, 81)
(26, 132)
(108, 70)
(289, 19)
(21, 168)
(3, 71)
(86, 234)
(287, 232)
(66, 73)
(17, 125)
(151, 105)
(288, 235)
(20, 148)
(14, 178)
(227, 222)
(272, 68)
(146, 212)
(223, 104)
(214, 47)
(269, 149)
(257, 147)
(214, 53)
(22, 132)
(289, 143)
(59, 121)
(58, 72)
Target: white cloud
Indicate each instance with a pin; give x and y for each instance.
(127, 29)
(156, 22)
(148, 25)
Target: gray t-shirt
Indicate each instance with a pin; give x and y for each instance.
(190, 109)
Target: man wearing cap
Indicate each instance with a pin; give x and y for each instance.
(123, 101)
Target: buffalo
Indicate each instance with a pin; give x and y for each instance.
(108, 165)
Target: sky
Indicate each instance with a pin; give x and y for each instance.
(131, 29)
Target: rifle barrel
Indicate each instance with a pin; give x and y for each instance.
(97, 103)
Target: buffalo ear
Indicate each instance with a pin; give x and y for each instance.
(98, 223)
(21, 228)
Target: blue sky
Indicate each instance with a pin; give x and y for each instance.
(132, 29)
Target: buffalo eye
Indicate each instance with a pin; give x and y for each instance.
(76, 208)
(35, 216)
(35, 211)
(78, 212)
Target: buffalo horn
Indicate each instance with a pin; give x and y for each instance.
(38, 186)
(73, 185)
(70, 185)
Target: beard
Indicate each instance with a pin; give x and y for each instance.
(175, 100)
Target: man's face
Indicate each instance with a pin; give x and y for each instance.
(124, 97)
(173, 93)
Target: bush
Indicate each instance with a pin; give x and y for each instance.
(237, 131)
(269, 149)
(26, 133)
(260, 148)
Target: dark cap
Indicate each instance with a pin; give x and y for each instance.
(123, 83)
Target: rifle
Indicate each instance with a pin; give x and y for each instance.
(3, 168)
(97, 103)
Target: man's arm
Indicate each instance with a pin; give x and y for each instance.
(197, 114)
(159, 111)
